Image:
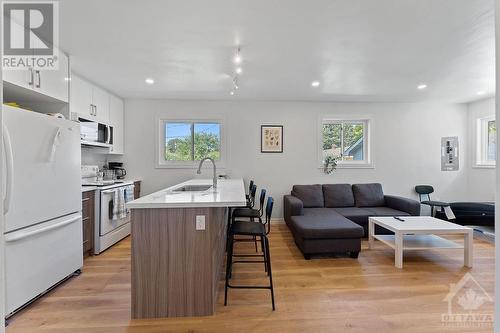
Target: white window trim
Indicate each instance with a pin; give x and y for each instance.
(367, 144)
(161, 163)
(481, 146)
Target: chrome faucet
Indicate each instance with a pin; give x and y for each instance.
(215, 169)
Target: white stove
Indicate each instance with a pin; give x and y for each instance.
(108, 231)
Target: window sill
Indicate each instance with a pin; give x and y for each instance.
(353, 166)
(191, 166)
(484, 166)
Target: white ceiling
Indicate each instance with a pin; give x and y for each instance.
(360, 50)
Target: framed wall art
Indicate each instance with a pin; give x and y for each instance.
(271, 139)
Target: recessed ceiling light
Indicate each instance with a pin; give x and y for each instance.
(239, 70)
(421, 86)
(231, 93)
(481, 92)
(315, 83)
(149, 81)
(67, 79)
(237, 59)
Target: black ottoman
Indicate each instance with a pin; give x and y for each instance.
(325, 234)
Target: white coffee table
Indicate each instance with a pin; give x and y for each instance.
(420, 233)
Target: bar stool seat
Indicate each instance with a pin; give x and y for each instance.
(246, 212)
(245, 228)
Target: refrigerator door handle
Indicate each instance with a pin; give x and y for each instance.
(18, 236)
(9, 159)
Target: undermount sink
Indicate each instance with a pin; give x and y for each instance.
(192, 188)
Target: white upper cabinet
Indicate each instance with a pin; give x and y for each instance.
(54, 83)
(100, 100)
(81, 98)
(88, 101)
(116, 119)
(48, 82)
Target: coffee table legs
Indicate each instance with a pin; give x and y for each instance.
(468, 248)
(371, 232)
(398, 254)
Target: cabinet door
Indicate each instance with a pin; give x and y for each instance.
(54, 83)
(100, 99)
(88, 220)
(137, 189)
(23, 77)
(81, 98)
(116, 119)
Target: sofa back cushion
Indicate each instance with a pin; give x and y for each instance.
(338, 195)
(311, 195)
(368, 195)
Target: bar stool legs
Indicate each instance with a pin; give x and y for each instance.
(267, 266)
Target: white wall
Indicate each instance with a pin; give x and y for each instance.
(481, 180)
(405, 144)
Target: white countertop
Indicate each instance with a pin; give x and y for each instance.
(88, 188)
(229, 193)
(122, 182)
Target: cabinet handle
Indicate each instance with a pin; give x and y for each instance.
(39, 84)
(95, 110)
(91, 110)
(32, 78)
(85, 199)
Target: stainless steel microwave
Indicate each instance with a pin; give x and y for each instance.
(95, 134)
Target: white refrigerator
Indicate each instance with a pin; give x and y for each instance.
(42, 203)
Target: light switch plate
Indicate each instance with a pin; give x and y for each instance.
(200, 222)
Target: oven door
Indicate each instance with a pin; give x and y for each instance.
(107, 223)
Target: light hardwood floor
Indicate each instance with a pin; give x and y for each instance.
(320, 295)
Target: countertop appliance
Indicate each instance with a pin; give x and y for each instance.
(95, 134)
(42, 205)
(109, 229)
(120, 171)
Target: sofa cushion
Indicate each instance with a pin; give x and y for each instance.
(338, 195)
(368, 195)
(311, 195)
(333, 226)
(386, 211)
(355, 214)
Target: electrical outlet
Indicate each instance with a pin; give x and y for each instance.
(200, 222)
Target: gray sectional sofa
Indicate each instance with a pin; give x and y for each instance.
(333, 218)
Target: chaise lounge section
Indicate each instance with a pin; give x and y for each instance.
(332, 218)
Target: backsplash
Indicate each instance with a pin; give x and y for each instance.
(91, 156)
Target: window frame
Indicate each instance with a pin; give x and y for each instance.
(367, 162)
(162, 163)
(481, 160)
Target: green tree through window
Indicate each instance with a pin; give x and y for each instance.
(192, 141)
(344, 140)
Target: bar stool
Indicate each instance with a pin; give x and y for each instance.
(251, 214)
(257, 229)
(251, 196)
(251, 188)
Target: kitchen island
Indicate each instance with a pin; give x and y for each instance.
(178, 246)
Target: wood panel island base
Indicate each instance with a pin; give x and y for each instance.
(177, 262)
